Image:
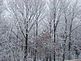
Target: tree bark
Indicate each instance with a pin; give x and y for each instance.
(69, 47)
(65, 39)
(54, 40)
(26, 43)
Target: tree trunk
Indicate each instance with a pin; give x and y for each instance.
(54, 27)
(54, 42)
(69, 47)
(46, 58)
(69, 57)
(50, 58)
(35, 56)
(64, 55)
(36, 38)
(26, 43)
(65, 38)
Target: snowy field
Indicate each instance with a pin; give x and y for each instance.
(74, 60)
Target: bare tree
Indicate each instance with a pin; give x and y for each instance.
(30, 13)
(56, 11)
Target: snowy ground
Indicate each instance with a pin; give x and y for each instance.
(74, 60)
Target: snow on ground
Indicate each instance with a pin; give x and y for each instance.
(74, 60)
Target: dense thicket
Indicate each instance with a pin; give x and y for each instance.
(40, 30)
